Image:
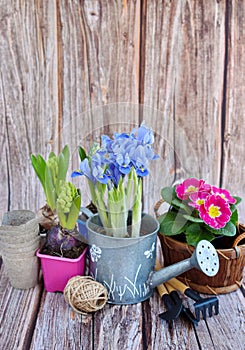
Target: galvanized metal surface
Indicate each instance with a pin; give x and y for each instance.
(126, 265)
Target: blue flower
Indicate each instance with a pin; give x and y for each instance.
(93, 168)
(124, 163)
(114, 175)
(84, 170)
(143, 134)
(140, 161)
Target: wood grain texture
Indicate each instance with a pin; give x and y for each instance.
(44, 321)
(99, 71)
(63, 327)
(18, 310)
(72, 70)
(119, 327)
(28, 97)
(183, 79)
(234, 105)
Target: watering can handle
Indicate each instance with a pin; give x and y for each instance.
(161, 288)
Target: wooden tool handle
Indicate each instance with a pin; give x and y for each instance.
(169, 287)
(162, 290)
(175, 283)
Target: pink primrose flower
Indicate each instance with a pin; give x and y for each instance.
(189, 186)
(198, 198)
(215, 211)
(224, 194)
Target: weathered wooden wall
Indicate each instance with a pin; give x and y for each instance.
(71, 69)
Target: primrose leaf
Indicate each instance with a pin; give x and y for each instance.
(238, 199)
(168, 193)
(179, 204)
(192, 218)
(195, 233)
(234, 217)
(172, 223)
(228, 230)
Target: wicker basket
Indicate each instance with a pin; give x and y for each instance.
(232, 262)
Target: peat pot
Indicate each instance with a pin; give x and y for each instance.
(125, 266)
(19, 240)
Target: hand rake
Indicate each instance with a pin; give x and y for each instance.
(202, 305)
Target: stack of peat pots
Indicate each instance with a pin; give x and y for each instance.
(19, 241)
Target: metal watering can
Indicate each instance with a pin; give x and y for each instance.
(125, 266)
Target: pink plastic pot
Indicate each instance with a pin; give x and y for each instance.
(57, 271)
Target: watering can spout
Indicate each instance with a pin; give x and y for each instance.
(204, 258)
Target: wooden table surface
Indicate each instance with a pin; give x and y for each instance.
(35, 319)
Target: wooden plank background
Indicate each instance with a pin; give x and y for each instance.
(71, 70)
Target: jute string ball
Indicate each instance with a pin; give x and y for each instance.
(85, 295)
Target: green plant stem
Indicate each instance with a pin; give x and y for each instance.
(117, 210)
(137, 207)
(129, 188)
(100, 204)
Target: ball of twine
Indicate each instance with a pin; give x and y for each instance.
(85, 295)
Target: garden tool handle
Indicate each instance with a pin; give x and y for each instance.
(162, 290)
(177, 284)
(183, 288)
(169, 287)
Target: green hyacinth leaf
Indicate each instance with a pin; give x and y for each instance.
(39, 166)
(74, 213)
(63, 163)
(50, 189)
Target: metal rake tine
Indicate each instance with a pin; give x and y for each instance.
(200, 311)
(203, 304)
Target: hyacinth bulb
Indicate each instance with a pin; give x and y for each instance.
(70, 242)
(59, 241)
(55, 238)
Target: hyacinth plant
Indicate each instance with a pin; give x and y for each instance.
(63, 201)
(114, 171)
(199, 210)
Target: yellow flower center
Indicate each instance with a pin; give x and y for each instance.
(214, 211)
(200, 201)
(191, 189)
